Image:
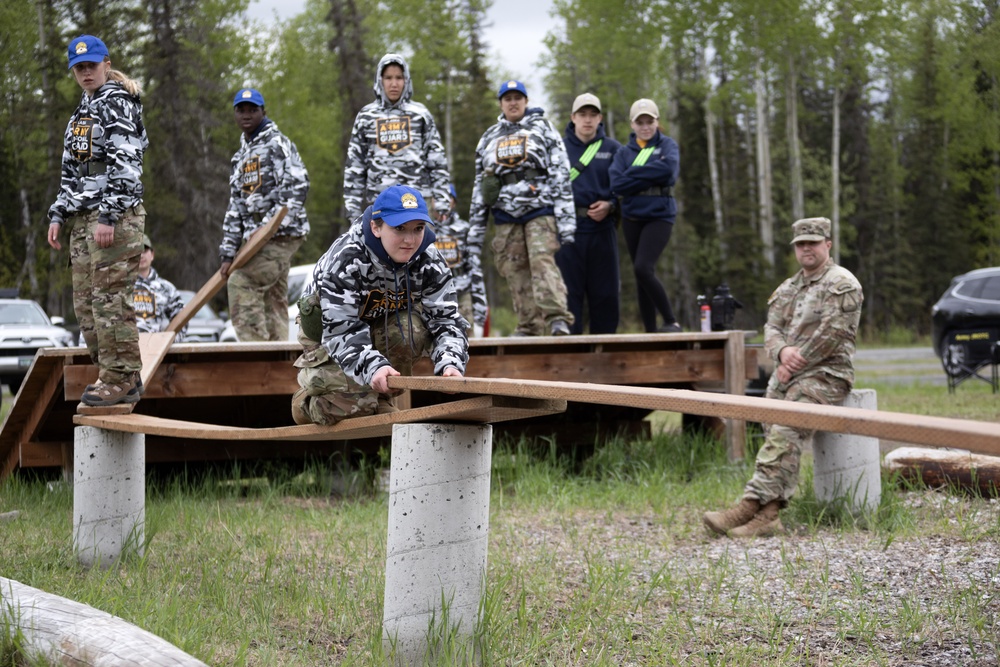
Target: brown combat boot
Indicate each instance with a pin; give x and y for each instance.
(723, 522)
(104, 394)
(764, 524)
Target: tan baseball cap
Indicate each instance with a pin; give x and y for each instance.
(643, 106)
(811, 229)
(586, 100)
(146, 242)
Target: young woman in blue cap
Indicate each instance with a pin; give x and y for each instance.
(381, 297)
(100, 199)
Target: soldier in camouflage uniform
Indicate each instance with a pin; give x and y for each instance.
(154, 299)
(395, 141)
(380, 297)
(812, 322)
(522, 176)
(100, 198)
(466, 269)
(267, 173)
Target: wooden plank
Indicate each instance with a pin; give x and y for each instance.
(215, 283)
(204, 379)
(61, 631)
(478, 410)
(31, 406)
(976, 436)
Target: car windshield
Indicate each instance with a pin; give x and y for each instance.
(21, 313)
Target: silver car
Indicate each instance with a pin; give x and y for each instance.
(24, 328)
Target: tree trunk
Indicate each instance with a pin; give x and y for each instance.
(764, 177)
(835, 177)
(794, 147)
(713, 167)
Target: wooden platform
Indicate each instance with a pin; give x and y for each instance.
(249, 386)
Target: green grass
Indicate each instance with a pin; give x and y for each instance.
(592, 561)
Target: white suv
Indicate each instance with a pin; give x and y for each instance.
(24, 328)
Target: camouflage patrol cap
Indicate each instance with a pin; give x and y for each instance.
(811, 229)
(146, 243)
(399, 205)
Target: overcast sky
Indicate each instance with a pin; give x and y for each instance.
(514, 38)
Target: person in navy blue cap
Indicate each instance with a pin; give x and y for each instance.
(380, 298)
(100, 200)
(266, 174)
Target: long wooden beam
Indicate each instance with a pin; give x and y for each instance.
(976, 436)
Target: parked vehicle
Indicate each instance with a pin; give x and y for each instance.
(206, 326)
(24, 329)
(297, 277)
(966, 320)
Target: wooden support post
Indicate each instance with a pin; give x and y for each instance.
(736, 383)
(109, 495)
(439, 516)
(847, 467)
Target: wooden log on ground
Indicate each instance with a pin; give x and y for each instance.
(943, 467)
(64, 632)
(976, 436)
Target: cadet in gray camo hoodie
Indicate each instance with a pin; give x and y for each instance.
(100, 199)
(395, 141)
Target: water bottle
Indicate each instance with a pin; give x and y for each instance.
(706, 314)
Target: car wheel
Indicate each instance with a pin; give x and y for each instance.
(954, 358)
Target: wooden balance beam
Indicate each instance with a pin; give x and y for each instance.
(975, 436)
(476, 410)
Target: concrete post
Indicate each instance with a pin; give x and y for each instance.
(848, 466)
(439, 513)
(109, 495)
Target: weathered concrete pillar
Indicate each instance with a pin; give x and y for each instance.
(848, 466)
(109, 495)
(439, 513)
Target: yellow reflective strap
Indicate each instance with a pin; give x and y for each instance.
(585, 159)
(643, 156)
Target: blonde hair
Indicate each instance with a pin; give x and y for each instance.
(131, 85)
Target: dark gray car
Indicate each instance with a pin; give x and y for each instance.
(966, 320)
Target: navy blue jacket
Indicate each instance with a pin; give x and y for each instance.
(593, 183)
(660, 170)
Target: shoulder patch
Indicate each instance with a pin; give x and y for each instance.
(843, 287)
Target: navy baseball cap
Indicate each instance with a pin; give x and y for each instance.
(399, 205)
(451, 190)
(86, 49)
(248, 95)
(512, 85)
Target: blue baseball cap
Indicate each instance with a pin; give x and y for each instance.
(86, 49)
(512, 85)
(451, 191)
(248, 95)
(400, 204)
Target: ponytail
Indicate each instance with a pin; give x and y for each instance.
(131, 85)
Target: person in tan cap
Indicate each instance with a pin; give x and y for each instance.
(643, 174)
(154, 298)
(812, 321)
(590, 265)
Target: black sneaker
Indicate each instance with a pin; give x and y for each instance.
(670, 328)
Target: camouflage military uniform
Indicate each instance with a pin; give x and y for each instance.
(375, 313)
(466, 269)
(533, 215)
(101, 184)
(394, 144)
(820, 316)
(155, 301)
(266, 174)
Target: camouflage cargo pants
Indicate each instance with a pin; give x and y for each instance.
(103, 280)
(258, 292)
(326, 395)
(525, 256)
(776, 473)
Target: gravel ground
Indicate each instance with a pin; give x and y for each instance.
(829, 597)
